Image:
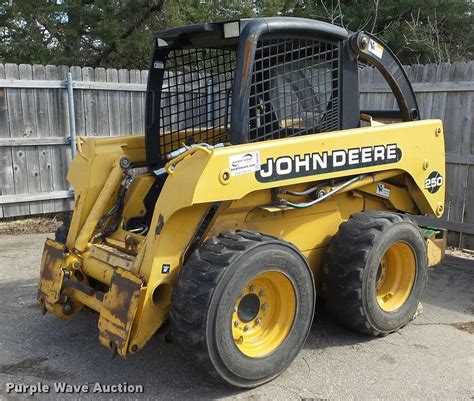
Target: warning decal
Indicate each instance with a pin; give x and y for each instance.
(383, 190)
(375, 48)
(244, 163)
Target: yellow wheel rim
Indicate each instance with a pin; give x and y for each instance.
(395, 277)
(263, 314)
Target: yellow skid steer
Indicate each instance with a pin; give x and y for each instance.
(258, 188)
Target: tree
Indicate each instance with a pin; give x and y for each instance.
(118, 33)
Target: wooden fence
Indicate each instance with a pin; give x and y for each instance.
(35, 129)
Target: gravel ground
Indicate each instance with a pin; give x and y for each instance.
(431, 358)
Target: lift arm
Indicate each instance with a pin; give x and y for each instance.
(370, 49)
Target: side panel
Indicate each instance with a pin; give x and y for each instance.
(330, 156)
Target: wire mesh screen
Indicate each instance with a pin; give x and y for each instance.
(294, 89)
(195, 98)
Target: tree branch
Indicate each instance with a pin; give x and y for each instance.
(113, 46)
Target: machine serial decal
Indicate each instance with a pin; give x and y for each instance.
(286, 167)
(434, 182)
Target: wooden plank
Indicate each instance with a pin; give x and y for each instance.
(378, 98)
(439, 98)
(6, 164)
(457, 174)
(456, 186)
(429, 77)
(59, 127)
(137, 115)
(40, 141)
(85, 85)
(15, 121)
(124, 105)
(453, 116)
(113, 103)
(439, 111)
(34, 197)
(421, 87)
(102, 107)
(44, 153)
(363, 74)
(468, 240)
(467, 151)
(454, 158)
(467, 111)
(462, 86)
(30, 124)
(144, 81)
(78, 102)
(90, 103)
(31, 83)
(106, 86)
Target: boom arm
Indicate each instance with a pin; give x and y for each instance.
(372, 50)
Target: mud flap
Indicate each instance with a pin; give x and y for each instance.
(118, 310)
(51, 276)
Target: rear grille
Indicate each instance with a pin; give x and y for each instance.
(294, 89)
(195, 99)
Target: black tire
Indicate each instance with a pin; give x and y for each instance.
(204, 298)
(349, 276)
(61, 233)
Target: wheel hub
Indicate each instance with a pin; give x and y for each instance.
(248, 307)
(395, 277)
(263, 314)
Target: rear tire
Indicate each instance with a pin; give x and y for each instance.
(375, 272)
(243, 307)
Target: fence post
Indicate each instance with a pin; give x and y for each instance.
(71, 112)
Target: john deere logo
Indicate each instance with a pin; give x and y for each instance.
(286, 167)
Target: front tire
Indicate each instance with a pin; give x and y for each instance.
(243, 307)
(375, 272)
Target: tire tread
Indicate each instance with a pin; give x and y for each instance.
(194, 289)
(344, 268)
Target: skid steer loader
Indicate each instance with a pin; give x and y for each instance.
(258, 181)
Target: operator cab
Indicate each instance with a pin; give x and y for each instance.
(261, 79)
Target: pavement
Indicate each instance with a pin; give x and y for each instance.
(431, 358)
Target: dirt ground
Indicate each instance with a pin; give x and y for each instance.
(431, 358)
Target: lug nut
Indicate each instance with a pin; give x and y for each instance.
(246, 327)
(261, 293)
(252, 288)
(240, 340)
(236, 323)
(258, 321)
(264, 306)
